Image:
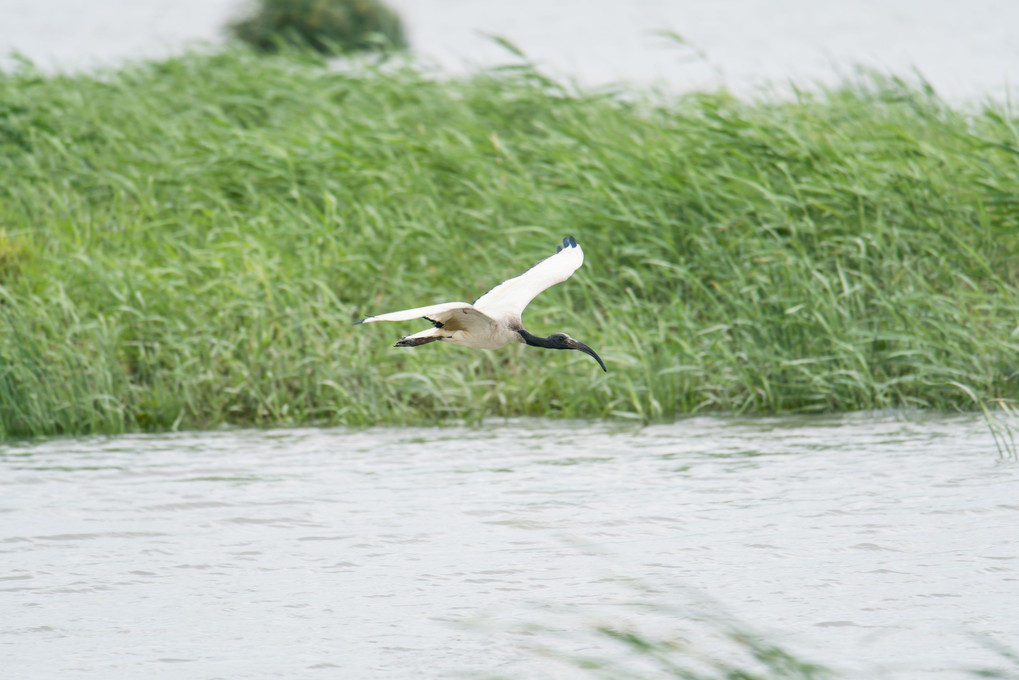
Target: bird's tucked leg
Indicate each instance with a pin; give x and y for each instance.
(411, 341)
(430, 335)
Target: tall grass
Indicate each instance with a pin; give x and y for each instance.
(186, 243)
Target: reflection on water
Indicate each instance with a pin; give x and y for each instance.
(881, 546)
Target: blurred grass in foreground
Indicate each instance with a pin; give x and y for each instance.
(677, 633)
(186, 243)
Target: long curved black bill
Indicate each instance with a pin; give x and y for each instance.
(587, 350)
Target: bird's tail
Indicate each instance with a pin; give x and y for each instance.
(422, 338)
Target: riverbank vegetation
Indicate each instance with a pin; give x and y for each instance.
(186, 244)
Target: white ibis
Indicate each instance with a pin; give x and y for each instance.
(493, 321)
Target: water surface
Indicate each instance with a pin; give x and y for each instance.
(967, 50)
(883, 546)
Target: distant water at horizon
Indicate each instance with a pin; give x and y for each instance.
(966, 51)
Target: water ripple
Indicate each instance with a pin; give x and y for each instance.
(881, 545)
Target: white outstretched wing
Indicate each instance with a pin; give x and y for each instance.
(508, 299)
(452, 316)
(430, 312)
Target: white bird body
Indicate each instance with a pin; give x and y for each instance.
(494, 320)
(461, 324)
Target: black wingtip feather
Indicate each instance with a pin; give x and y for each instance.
(558, 248)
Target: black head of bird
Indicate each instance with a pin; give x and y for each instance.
(561, 341)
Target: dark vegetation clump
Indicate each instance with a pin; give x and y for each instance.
(327, 26)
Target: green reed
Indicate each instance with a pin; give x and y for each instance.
(186, 243)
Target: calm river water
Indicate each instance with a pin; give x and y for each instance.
(882, 546)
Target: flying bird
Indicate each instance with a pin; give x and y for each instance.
(494, 320)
